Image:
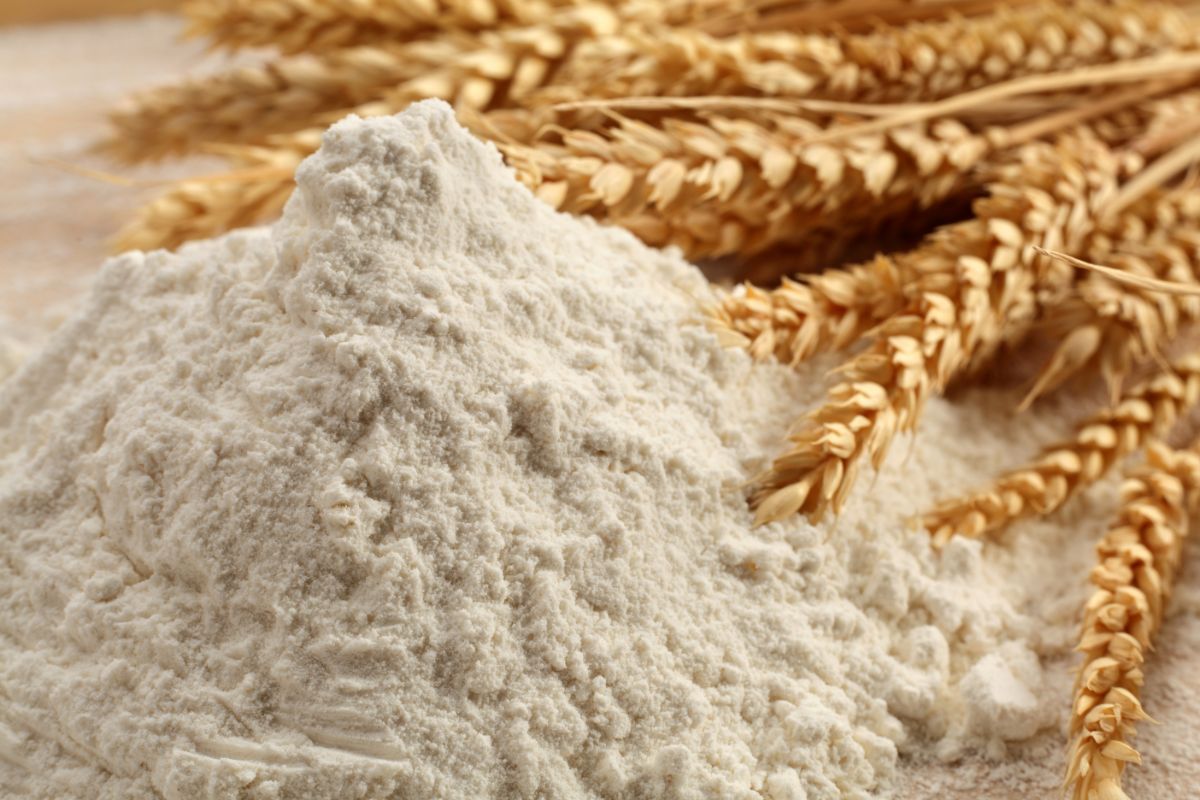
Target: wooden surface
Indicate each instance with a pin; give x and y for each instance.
(19, 12)
(54, 227)
(55, 222)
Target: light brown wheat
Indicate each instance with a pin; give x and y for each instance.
(919, 62)
(202, 207)
(474, 70)
(1146, 411)
(812, 314)
(1139, 557)
(718, 185)
(295, 26)
(983, 283)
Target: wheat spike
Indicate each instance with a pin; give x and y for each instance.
(1139, 557)
(1111, 327)
(204, 207)
(919, 62)
(983, 279)
(812, 314)
(1146, 411)
(300, 26)
(718, 185)
(473, 70)
(296, 26)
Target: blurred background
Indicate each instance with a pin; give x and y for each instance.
(65, 64)
(15, 12)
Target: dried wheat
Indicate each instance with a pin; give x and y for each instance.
(827, 311)
(296, 26)
(475, 70)
(204, 207)
(1111, 327)
(1139, 557)
(1146, 411)
(718, 186)
(983, 280)
(905, 64)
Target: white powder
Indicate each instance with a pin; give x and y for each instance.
(429, 491)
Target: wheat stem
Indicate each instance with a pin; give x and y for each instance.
(472, 70)
(919, 62)
(1139, 557)
(718, 185)
(982, 284)
(1146, 411)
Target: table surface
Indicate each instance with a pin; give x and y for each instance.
(56, 222)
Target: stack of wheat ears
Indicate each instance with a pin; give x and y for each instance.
(992, 151)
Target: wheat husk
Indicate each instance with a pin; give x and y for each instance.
(1139, 558)
(1146, 411)
(983, 284)
(1111, 327)
(919, 62)
(296, 26)
(199, 208)
(472, 70)
(811, 314)
(718, 185)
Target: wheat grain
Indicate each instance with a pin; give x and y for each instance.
(983, 281)
(204, 207)
(1139, 557)
(1110, 326)
(919, 62)
(474, 70)
(718, 186)
(295, 26)
(1146, 411)
(813, 314)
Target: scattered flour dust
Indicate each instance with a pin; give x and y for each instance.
(430, 491)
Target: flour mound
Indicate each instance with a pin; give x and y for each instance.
(430, 491)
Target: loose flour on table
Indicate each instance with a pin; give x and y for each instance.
(429, 491)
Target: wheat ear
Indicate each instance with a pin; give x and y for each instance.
(811, 314)
(1146, 411)
(984, 279)
(476, 70)
(919, 62)
(296, 26)
(1111, 326)
(718, 186)
(202, 207)
(1139, 557)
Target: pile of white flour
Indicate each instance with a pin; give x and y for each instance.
(429, 491)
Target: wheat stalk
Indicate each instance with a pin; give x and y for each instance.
(814, 313)
(202, 207)
(473, 70)
(1146, 411)
(982, 281)
(718, 185)
(1139, 557)
(1146, 231)
(296, 26)
(918, 62)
